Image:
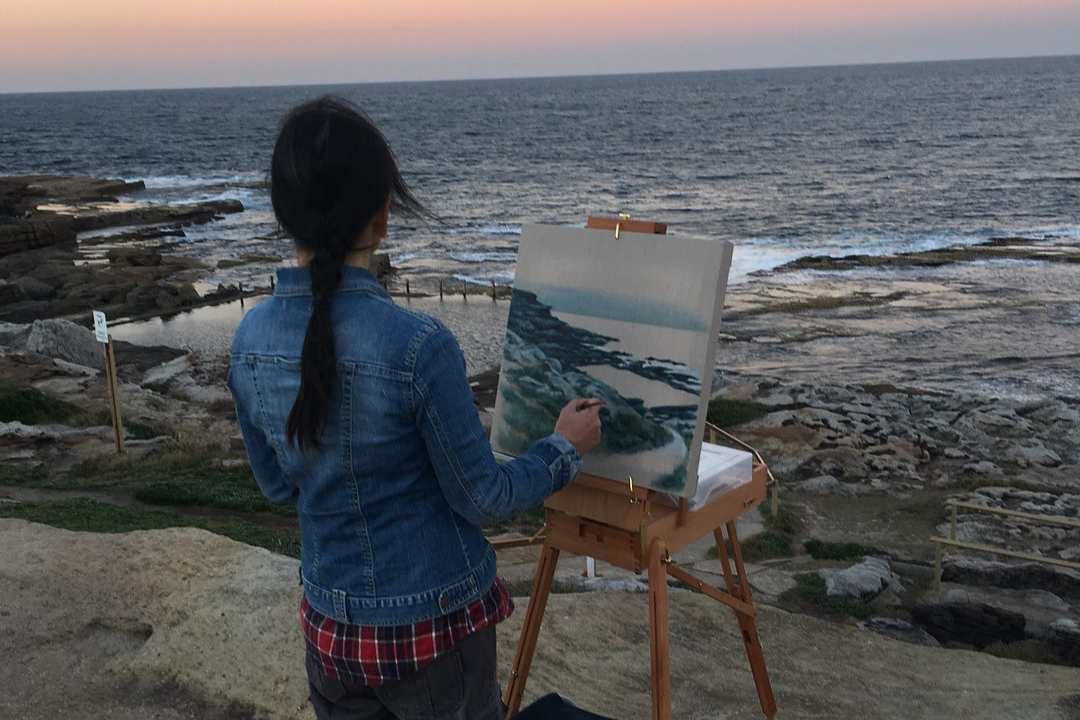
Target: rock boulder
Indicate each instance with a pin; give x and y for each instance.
(1019, 576)
(954, 616)
(864, 581)
(64, 340)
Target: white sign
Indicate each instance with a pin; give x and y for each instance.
(101, 330)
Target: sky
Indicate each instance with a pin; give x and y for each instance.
(51, 45)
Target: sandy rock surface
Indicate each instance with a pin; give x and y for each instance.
(183, 624)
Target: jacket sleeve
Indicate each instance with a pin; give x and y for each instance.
(478, 488)
(261, 454)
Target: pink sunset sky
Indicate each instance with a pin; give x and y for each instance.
(107, 44)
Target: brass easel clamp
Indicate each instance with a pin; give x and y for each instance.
(618, 228)
(633, 500)
(538, 533)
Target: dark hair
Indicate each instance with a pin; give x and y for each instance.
(331, 173)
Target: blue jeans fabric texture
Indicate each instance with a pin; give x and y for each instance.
(392, 504)
(458, 685)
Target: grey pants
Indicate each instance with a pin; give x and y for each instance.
(458, 685)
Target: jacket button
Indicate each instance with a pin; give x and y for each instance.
(444, 602)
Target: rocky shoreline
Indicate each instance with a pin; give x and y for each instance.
(46, 271)
(877, 389)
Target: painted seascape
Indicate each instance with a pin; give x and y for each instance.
(632, 322)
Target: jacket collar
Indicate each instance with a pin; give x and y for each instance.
(296, 282)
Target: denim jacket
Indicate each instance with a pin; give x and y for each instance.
(392, 503)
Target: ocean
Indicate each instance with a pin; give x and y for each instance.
(785, 163)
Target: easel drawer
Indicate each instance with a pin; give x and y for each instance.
(617, 546)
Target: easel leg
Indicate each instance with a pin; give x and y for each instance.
(530, 629)
(658, 633)
(746, 623)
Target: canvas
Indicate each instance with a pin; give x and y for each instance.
(633, 321)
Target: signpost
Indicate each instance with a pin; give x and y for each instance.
(101, 333)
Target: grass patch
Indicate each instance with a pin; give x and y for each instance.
(824, 550)
(226, 493)
(810, 594)
(86, 515)
(786, 522)
(30, 406)
(140, 431)
(10, 475)
(1034, 651)
(726, 413)
(778, 539)
(225, 407)
(174, 479)
(284, 541)
(526, 523)
(133, 429)
(760, 547)
(767, 545)
(159, 387)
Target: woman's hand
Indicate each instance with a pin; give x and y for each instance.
(579, 423)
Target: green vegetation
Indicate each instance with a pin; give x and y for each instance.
(175, 478)
(778, 540)
(91, 516)
(762, 546)
(1028, 650)
(159, 387)
(225, 407)
(824, 550)
(30, 406)
(139, 431)
(526, 523)
(786, 522)
(767, 545)
(810, 596)
(94, 516)
(217, 492)
(182, 475)
(12, 475)
(726, 413)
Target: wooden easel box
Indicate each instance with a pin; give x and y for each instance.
(608, 520)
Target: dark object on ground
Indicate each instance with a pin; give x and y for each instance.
(555, 707)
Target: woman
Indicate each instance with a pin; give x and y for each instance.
(360, 413)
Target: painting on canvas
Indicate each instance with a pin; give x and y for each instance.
(633, 321)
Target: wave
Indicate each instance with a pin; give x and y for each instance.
(501, 277)
(248, 179)
(476, 258)
(494, 229)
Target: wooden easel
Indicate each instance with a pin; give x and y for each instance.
(630, 528)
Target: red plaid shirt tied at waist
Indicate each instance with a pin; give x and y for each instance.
(369, 655)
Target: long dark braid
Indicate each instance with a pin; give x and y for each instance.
(331, 173)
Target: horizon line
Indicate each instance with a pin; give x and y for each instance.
(538, 77)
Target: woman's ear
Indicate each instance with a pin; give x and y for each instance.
(380, 223)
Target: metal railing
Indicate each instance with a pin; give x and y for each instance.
(711, 432)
